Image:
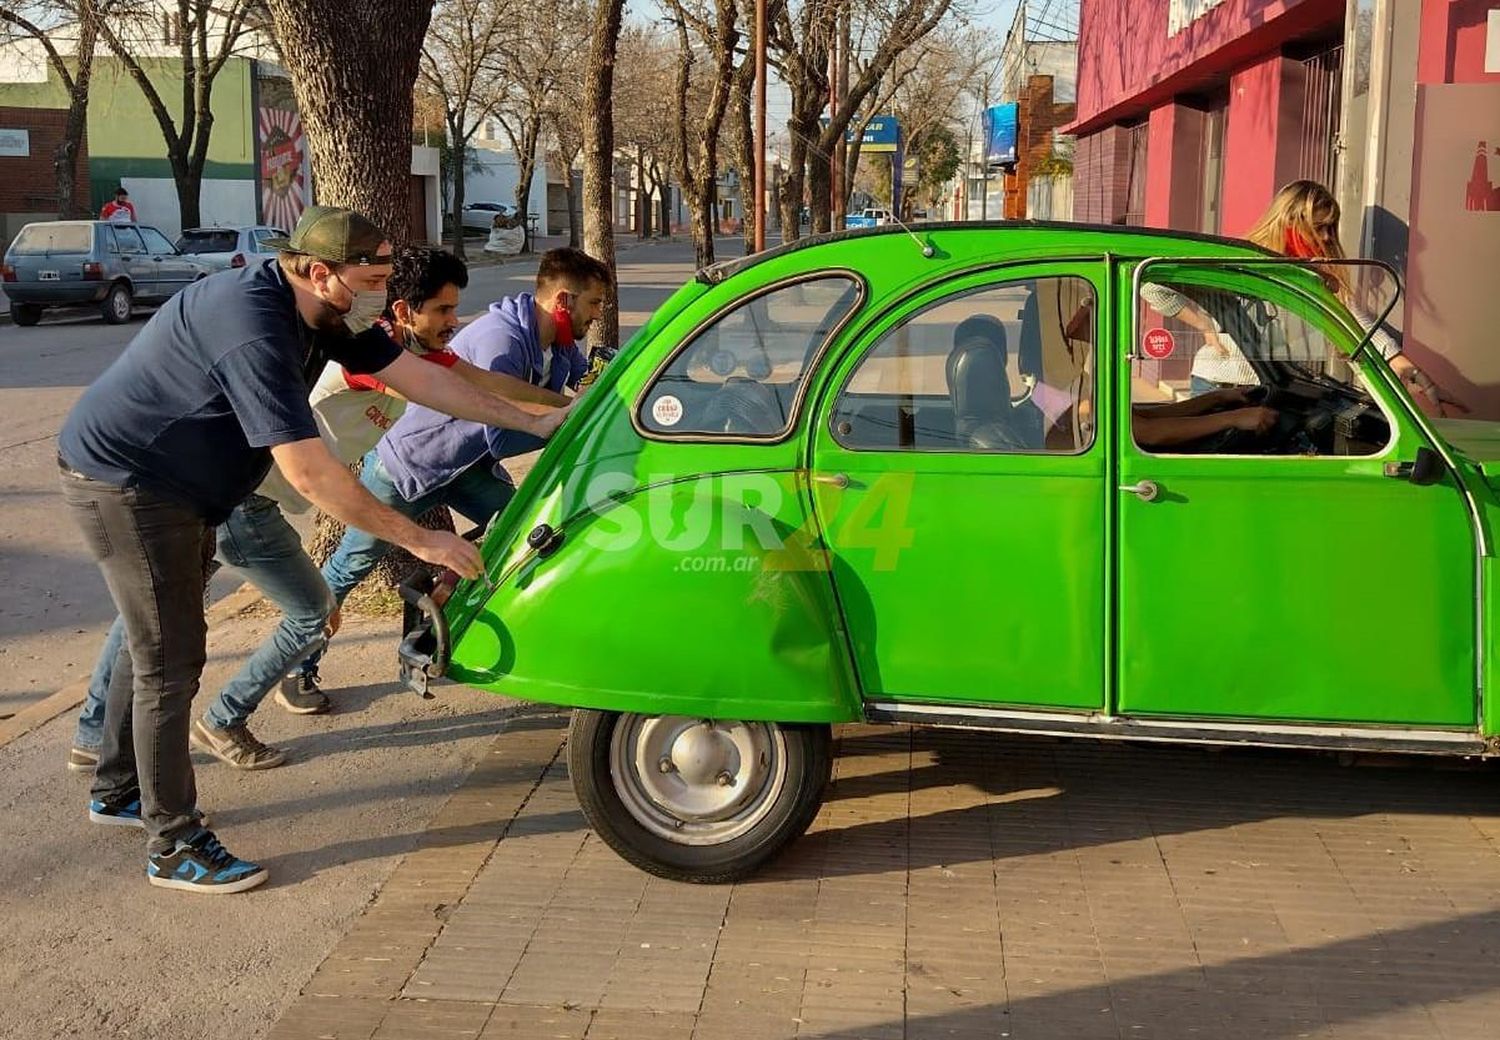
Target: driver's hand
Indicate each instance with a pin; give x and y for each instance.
(1228, 397)
(1256, 420)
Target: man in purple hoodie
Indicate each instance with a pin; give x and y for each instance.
(428, 459)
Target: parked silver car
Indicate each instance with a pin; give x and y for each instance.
(480, 216)
(71, 263)
(222, 248)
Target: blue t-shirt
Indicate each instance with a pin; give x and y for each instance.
(216, 378)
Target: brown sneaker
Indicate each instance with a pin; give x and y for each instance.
(235, 746)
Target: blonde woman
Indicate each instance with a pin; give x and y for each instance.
(1303, 222)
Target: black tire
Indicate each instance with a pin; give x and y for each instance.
(804, 764)
(26, 313)
(117, 304)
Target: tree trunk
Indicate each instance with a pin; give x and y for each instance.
(460, 149)
(744, 140)
(819, 184)
(189, 195)
(574, 211)
(65, 158)
(791, 191)
(352, 71)
(525, 150)
(598, 157)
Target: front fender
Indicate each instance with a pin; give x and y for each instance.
(705, 596)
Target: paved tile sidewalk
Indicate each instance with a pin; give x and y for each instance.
(956, 885)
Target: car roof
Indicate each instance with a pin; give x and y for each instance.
(713, 274)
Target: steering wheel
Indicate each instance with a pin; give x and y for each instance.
(743, 406)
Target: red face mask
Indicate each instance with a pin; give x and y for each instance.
(562, 318)
(1298, 246)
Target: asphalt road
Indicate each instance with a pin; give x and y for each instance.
(55, 608)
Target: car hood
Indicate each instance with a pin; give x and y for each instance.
(1477, 440)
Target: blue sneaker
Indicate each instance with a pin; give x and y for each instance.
(127, 815)
(203, 865)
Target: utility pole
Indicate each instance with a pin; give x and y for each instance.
(984, 155)
(835, 166)
(760, 125)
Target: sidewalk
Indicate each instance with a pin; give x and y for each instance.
(955, 885)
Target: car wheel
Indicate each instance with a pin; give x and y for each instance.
(694, 799)
(117, 304)
(26, 313)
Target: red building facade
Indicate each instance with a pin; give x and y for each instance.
(1191, 113)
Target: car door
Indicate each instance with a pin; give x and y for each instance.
(144, 273)
(1292, 571)
(960, 492)
(173, 270)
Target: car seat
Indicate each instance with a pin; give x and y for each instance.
(979, 387)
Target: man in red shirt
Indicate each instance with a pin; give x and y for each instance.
(120, 211)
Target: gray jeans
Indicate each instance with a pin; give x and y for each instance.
(152, 552)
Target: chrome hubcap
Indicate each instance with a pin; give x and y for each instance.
(697, 781)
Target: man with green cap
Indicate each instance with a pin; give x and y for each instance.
(174, 436)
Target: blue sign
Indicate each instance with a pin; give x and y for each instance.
(1000, 134)
(882, 134)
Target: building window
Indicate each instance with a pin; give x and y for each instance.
(1135, 173)
(1318, 158)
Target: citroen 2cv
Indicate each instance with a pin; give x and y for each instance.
(1064, 480)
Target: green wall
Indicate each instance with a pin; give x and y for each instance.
(124, 137)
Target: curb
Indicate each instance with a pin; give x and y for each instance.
(72, 695)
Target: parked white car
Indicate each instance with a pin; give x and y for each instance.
(221, 248)
(480, 216)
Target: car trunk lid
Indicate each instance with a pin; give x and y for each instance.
(51, 252)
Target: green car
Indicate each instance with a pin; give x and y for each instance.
(1051, 479)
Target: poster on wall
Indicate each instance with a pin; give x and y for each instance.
(1000, 123)
(1455, 242)
(283, 163)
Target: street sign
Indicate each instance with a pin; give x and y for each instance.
(1000, 134)
(15, 144)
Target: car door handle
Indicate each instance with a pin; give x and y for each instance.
(838, 480)
(1146, 490)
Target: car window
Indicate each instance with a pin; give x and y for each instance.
(217, 240)
(40, 239)
(742, 375)
(1006, 368)
(129, 239)
(156, 242)
(1220, 371)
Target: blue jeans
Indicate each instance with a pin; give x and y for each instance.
(479, 493)
(258, 543)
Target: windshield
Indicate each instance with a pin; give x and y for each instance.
(41, 239)
(217, 241)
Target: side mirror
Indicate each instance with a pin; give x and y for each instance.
(1425, 470)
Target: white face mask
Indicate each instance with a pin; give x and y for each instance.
(368, 306)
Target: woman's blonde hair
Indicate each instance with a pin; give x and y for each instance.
(1307, 208)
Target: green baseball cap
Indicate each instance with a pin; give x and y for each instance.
(339, 236)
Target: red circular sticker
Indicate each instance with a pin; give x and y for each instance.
(1158, 344)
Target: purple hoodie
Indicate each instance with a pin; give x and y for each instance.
(425, 449)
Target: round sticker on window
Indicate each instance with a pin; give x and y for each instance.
(1158, 345)
(666, 411)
